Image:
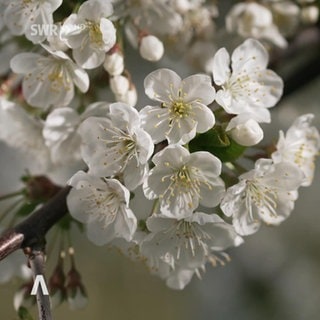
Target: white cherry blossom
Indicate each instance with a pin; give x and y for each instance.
(49, 80)
(30, 17)
(117, 145)
(182, 110)
(182, 181)
(264, 194)
(300, 145)
(254, 20)
(89, 33)
(103, 205)
(247, 87)
(156, 16)
(286, 16)
(22, 131)
(61, 131)
(179, 248)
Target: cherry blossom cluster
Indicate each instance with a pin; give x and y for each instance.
(179, 156)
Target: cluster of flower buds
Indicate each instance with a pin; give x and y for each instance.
(67, 287)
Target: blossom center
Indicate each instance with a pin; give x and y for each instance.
(190, 236)
(180, 109)
(95, 34)
(103, 205)
(185, 182)
(264, 197)
(120, 144)
(58, 78)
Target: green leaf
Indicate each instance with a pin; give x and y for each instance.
(218, 143)
(27, 208)
(213, 138)
(24, 314)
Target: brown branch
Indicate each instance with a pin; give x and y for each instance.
(9, 242)
(31, 232)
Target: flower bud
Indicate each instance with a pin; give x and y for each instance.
(151, 48)
(119, 84)
(56, 285)
(247, 133)
(130, 97)
(76, 293)
(40, 188)
(310, 14)
(114, 63)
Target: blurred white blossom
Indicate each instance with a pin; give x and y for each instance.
(89, 33)
(49, 80)
(254, 20)
(300, 146)
(31, 18)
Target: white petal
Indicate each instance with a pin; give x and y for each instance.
(198, 87)
(181, 132)
(123, 115)
(173, 156)
(221, 67)
(250, 55)
(95, 9)
(144, 145)
(204, 116)
(80, 78)
(224, 99)
(178, 279)
(211, 197)
(101, 161)
(243, 222)
(154, 186)
(134, 174)
(88, 57)
(155, 121)
(24, 63)
(159, 83)
(108, 34)
(209, 165)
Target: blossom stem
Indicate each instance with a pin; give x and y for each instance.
(155, 207)
(11, 195)
(10, 208)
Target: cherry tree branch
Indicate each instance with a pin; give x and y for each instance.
(31, 232)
